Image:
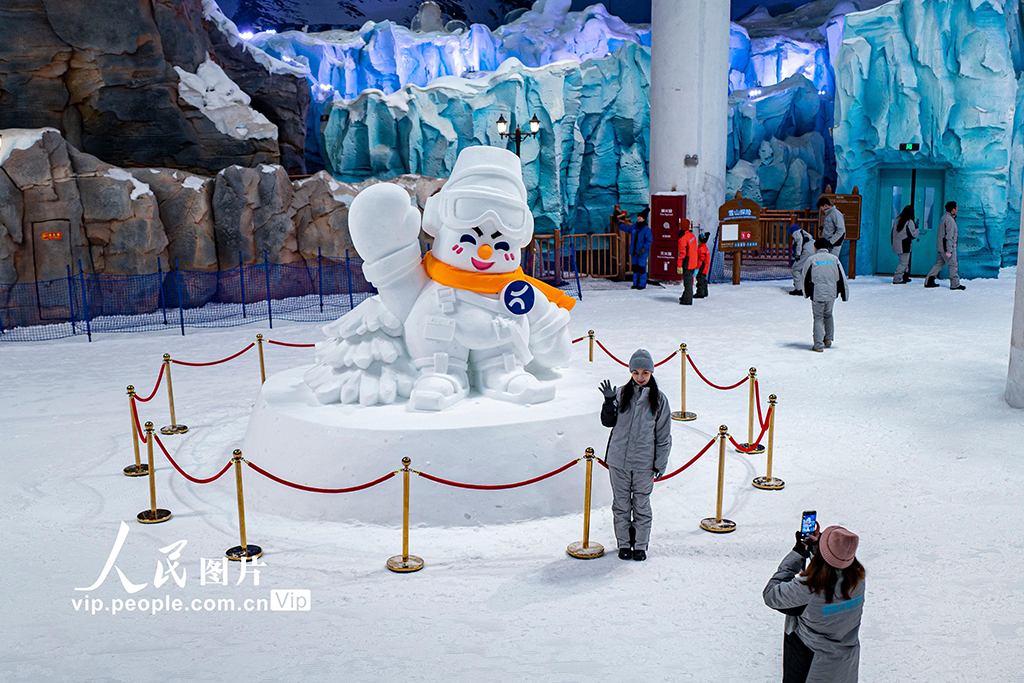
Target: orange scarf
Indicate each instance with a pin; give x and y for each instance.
(490, 283)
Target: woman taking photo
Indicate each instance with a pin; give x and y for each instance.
(823, 605)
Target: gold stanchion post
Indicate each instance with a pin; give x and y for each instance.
(749, 443)
(716, 524)
(263, 369)
(682, 415)
(241, 552)
(590, 334)
(585, 550)
(138, 469)
(174, 427)
(153, 515)
(768, 482)
(405, 562)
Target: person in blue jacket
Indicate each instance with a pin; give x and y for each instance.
(640, 242)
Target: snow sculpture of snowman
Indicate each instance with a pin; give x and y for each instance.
(464, 315)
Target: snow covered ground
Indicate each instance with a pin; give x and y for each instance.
(899, 432)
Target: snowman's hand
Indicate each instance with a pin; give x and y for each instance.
(378, 383)
(382, 220)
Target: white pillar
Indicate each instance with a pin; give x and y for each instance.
(690, 103)
(1015, 376)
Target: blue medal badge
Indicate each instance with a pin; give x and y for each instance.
(519, 297)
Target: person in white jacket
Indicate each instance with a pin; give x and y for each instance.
(802, 243)
(946, 240)
(904, 230)
(824, 280)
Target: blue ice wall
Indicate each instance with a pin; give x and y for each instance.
(941, 73)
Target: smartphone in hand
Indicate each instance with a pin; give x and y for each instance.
(808, 523)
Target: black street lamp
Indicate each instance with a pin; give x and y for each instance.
(518, 135)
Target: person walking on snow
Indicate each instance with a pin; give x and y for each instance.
(904, 230)
(802, 243)
(687, 261)
(834, 227)
(824, 280)
(703, 265)
(641, 239)
(946, 243)
(638, 447)
(823, 605)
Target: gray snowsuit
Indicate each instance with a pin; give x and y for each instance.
(824, 280)
(638, 447)
(830, 631)
(803, 250)
(946, 243)
(834, 230)
(902, 241)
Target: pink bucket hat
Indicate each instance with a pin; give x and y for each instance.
(838, 546)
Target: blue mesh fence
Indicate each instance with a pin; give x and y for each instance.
(315, 290)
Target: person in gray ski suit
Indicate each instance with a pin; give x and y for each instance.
(946, 243)
(802, 243)
(823, 606)
(824, 280)
(834, 227)
(904, 230)
(638, 448)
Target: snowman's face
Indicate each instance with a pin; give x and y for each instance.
(480, 249)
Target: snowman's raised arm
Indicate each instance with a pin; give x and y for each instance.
(385, 231)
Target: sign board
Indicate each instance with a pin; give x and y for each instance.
(739, 226)
(849, 205)
(910, 147)
(47, 236)
(667, 210)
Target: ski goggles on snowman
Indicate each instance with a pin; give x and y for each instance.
(464, 209)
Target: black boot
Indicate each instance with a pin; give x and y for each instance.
(797, 292)
(930, 282)
(638, 555)
(625, 554)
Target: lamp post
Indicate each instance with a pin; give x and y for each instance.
(518, 135)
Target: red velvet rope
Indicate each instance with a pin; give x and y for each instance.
(577, 341)
(692, 460)
(185, 474)
(138, 425)
(757, 399)
(660, 363)
(498, 487)
(315, 489)
(294, 346)
(760, 436)
(711, 384)
(215, 362)
(610, 354)
(159, 378)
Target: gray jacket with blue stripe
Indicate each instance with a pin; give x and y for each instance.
(831, 631)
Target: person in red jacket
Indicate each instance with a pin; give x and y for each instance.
(687, 262)
(703, 265)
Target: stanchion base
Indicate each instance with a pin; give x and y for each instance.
(147, 516)
(591, 552)
(173, 429)
(758, 449)
(405, 565)
(136, 470)
(683, 417)
(772, 484)
(250, 552)
(722, 527)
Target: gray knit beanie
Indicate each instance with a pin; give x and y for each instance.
(641, 360)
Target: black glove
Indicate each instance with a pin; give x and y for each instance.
(608, 390)
(803, 546)
(657, 474)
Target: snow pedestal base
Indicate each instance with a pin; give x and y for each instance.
(478, 441)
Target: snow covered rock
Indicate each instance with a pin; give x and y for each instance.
(185, 203)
